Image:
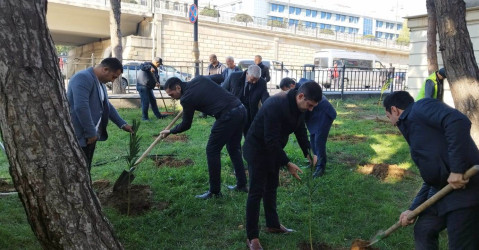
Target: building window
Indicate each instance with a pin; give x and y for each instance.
(353, 30)
(293, 22)
(353, 19)
(340, 29)
(367, 26)
(312, 25)
(379, 24)
(277, 8)
(308, 12)
(294, 10)
(389, 25)
(399, 26)
(341, 18)
(311, 13)
(279, 19)
(233, 7)
(239, 5)
(379, 34)
(325, 15)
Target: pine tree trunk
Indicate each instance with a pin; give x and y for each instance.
(116, 45)
(432, 65)
(47, 165)
(459, 60)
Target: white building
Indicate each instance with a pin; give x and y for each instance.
(315, 14)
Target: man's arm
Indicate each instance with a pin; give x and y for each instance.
(187, 119)
(429, 89)
(227, 83)
(264, 92)
(267, 77)
(272, 134)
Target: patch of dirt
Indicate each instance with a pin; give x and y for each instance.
(137, 202)
(348, 138)
(285, 178)
(346, 159)
(317, 246)
(170, 161)
(359, 244)
(174, 137)
(6, 187)
(384, 171)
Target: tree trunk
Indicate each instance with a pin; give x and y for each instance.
(47, 165)
(115, 38)
(459, 60)
(431, 37)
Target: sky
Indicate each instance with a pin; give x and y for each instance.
(404, 7)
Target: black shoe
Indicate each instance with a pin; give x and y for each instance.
(208, 195)
(320, 171)
(238, 189)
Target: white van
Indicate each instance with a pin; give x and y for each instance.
(277, 70)
(362, 70)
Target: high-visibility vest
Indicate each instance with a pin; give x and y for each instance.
(422, 91)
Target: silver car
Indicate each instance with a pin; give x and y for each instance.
(132, 69)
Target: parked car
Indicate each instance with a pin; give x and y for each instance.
(132, 69)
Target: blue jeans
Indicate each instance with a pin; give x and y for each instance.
(227, 130)
(319, 138)
(147, 98)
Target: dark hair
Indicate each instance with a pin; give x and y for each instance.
(286, 83)
(399, 99)
(158, 60)
(311, 90)
(172, 83)
(112, 63)
(442, 72)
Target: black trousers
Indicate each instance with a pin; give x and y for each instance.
(227, 130)
(264, 181)
(89, 150)
(462, 229)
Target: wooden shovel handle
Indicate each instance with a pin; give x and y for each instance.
(441, 193)
(158, 139)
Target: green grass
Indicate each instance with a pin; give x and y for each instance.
(346, 205)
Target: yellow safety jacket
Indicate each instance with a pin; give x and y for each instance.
(422, 91)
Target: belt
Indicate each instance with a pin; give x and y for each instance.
(229, 111)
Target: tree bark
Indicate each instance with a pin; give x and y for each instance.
(432, 65)
(116, 45)
(459, 60)
(47, 165)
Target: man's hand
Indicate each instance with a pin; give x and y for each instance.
(315, 159)
(403, 218)
(293, 170)
(128, 128)
(457, 180)
(152, 70)
(165, 133)
(91, 140)
(158, 86)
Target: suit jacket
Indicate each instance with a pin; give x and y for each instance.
(268, 135)
(440, 143)
(235, 84)
(264, 72)
(86, 107)
(313, 118)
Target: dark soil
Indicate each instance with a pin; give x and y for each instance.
(285, 178)
(348, 138)
(384, 171)
(170, 161)
(346, 158)
(359, 244)
(317, 246)
(175, 137)
(136, 202)
(6, 187)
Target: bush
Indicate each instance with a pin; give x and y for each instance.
(326, 31)
(245, 18)
(206, 11)
(276, 23)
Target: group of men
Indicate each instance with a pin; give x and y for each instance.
(438, 136)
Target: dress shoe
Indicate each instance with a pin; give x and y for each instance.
(320, 171)
(208, 195)
(281, 230)
(254, 244)
(238, 189)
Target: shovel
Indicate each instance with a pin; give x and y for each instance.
(126, 177)
(443, 192)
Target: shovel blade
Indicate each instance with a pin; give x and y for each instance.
(124, 181)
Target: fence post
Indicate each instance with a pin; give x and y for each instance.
(92, 60)
(393, 79)
(342, 81)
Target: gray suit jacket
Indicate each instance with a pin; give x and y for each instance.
(86, 107)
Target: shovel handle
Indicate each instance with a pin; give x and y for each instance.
(158, 139)
(440, 194)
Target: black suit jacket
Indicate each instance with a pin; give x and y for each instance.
(268, 135)
(235, 84)
(264, 72)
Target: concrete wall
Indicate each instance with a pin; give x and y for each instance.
(418, 55)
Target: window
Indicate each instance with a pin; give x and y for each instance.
(325, 15)
(293, 22)
(239, 5)
(379, 34)
(279, 19)
(314, 13)
(379, 24)
(294, 10)
(399, 26)
(276, 8)
(353, 19)
(353, 30)
(341, 18)
(367, 26)
(308, 12)
(389, 25)
(312, 25)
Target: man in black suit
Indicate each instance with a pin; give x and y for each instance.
(204, 95)
(281, 115)
(258, 60)
(442, 147)
(250, 88)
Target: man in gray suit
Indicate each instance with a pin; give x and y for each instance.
(89, 105)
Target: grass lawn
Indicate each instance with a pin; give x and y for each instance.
(347, 203)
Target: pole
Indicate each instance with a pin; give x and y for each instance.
(196, 50)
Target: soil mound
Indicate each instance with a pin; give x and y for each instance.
(6, 187)
(361, 245)
(348, 138)
(384, 171)
(170, 161)
(135, 202)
